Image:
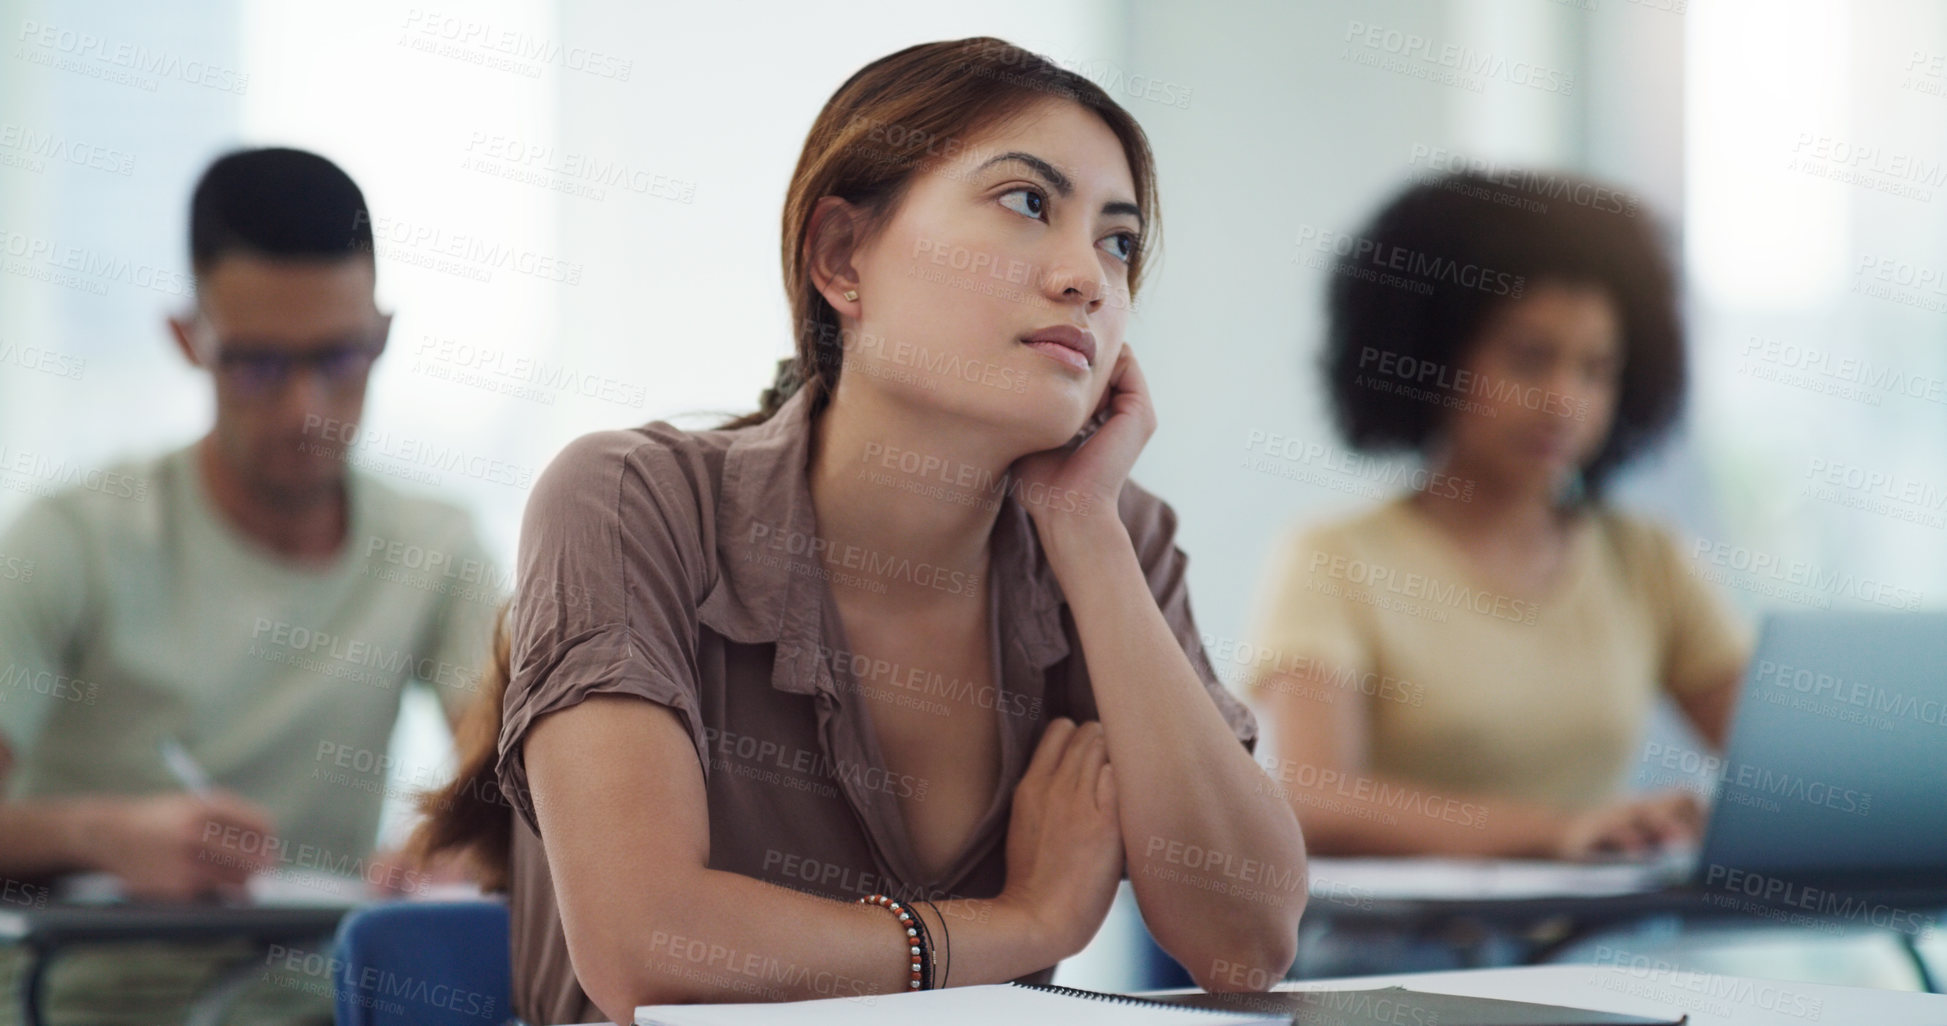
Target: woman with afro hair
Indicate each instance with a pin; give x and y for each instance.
(1468, 668)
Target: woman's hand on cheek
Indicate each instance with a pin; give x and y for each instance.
(1073, 483)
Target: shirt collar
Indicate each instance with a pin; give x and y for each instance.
(764, 594)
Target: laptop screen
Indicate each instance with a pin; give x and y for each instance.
(1837, 761)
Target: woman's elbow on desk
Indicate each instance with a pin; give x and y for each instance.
(618, 1001)
(1245, 942)
(620, 972)
(1253, 961)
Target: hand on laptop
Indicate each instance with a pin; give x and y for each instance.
(1635, 826)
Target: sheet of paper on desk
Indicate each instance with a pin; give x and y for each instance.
(984, 1005)
(1448, 879)
(310, 887)
(282, 887)
(307, 887)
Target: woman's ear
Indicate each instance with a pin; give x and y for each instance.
(830, 240)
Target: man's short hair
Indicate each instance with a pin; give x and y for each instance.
(278, 203)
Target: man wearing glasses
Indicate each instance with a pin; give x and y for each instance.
(200, 678)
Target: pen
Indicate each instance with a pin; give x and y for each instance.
(184, 768)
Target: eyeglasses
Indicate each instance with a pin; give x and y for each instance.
(262, 371)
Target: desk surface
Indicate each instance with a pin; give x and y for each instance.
(1708, 999)
(61, 925)
(1391, 891)
(45, 931)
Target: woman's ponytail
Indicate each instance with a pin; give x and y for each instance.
(469, 816)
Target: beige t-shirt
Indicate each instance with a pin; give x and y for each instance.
(149, 616)
(1542, 698)
(131, 611)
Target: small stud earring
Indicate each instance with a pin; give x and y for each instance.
(851, 295)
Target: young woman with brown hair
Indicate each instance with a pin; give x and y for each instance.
(909, 631)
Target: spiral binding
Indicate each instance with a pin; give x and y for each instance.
(1119, 999)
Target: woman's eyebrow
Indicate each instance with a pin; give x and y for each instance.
(1059, 182)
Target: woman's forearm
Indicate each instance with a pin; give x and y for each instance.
(722, 936)
(1215, 857)
(648, 923)
(1348, 813)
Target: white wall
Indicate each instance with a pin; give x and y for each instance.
(1288, 133)
(96, 164)
(687, 298)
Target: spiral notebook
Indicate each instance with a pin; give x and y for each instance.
(1020, 1004)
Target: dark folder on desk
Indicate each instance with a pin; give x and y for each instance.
(1397, 1006)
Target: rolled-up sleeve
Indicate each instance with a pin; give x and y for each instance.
(1304, 628)
(610, 566)
(1705, 641)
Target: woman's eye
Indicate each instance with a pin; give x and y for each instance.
(1122, 245)
(1031, 203)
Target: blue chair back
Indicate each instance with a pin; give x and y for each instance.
(424, 963)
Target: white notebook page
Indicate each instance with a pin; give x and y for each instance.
(984, 1005)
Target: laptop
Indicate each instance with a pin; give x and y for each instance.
(1835, 774)
(1833, 783)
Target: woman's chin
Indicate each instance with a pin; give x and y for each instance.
(1047, 427)
(1065, 398)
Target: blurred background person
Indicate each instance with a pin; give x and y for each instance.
(1469, 667)
(208, 660)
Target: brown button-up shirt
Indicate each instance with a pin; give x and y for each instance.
(683, 567)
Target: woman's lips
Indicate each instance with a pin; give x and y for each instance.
(1060, 354)
(1066, 343)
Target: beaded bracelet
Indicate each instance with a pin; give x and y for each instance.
(932, 953)
(917, 944)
